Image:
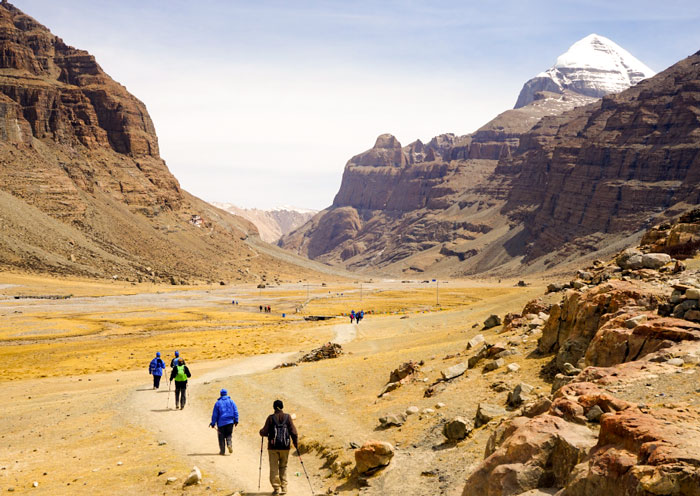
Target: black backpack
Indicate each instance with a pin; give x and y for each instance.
(279, 434)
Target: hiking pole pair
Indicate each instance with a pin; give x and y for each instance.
(305, 473)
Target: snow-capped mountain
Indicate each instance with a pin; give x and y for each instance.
(272, 224)
(594, 66)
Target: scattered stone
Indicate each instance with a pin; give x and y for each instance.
(676, 362)
(171, 480)
(440, 405)
(162, 443)
(569, 369)
(485, 413)
(513, 367)
(389, 387)
(492, 321)
(633, 322)
(403, 371)
(494, 364)
(561, 380)
(119, 464)
(412, 410)
(476, 340)
(555, 287)
(392, 420)
(195, 477)
(520, 394)
(373, 455)
(692, 294)
(427, 411)
(537, 407)
(328, 350)
(454, 371)
(593, 415)
(161, 472)
(456, 429)
(35, 484)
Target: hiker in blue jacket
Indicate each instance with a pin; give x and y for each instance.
(225, 417)
(156, 368)
(173, 362)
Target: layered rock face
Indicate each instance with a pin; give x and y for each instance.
(562, 176)
(271, 224)
(594, 66)
(83, 189)
(610, 166)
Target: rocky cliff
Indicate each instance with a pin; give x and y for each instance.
(271, 224)
(83, 189)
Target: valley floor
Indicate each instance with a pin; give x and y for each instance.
(80, 417)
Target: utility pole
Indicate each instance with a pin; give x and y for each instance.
(307, 291)
(437, 292)
(360, 292)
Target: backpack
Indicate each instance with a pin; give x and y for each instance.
(279, 434)
(152, 366)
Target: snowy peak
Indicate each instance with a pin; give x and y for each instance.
(593, 66)
(272, 224)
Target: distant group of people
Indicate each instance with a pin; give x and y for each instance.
(279, 428)
(265, 308)
(357, 317)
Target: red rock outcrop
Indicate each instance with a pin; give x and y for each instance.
(574, 322)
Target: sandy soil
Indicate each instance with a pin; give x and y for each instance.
(95, 419)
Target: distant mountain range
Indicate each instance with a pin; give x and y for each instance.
(271, 224)
(565, 174)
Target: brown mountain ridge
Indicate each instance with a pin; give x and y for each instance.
(536, 188)
(83, 189)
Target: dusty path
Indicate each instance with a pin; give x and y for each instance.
(187, 431)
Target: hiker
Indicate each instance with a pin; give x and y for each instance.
(225, 418)
(156, 368)
(261, 308)
(278, 430)
(352, 316)
(360, 316)
(180, 374)
(173, 362)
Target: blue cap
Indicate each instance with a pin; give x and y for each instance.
(177, 353)
(223, 392)
(158, 353)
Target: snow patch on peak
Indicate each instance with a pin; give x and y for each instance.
(594, 66)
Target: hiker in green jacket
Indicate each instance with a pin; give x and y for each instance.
(180, 374)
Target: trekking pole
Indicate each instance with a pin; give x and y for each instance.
(167, 406)
(305, 473)
(260, 469)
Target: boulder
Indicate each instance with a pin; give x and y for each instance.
(195, 477)
(412, 410)
(389, 387)
(692, 294)
(492, 321)
(475, 341)
(513, 367)
(485, 413)
(655, 260)
(456, 429)
(373, 455)
(533, 452)
(561, 380)
(454, 371)
(629, 258)
(594, 413)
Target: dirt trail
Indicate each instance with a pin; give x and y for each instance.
(187, 431)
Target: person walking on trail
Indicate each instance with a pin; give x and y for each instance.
(224, 417)
(173, 362)
(180, 374)
(281, 434)
(352, 316)
(156, 368)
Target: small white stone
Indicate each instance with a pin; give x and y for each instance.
(35, 484)
(440, 405)
(412, 410)
(119, 464)
(513, 367)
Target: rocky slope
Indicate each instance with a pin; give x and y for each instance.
(83, 189)
(517, 198)
(594, 66)
(627, 328)
(271, 224)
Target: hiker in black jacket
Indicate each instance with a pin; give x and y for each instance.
(180, 374)
(279, 430)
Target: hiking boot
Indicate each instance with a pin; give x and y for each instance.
(230, 447)
(282, 490)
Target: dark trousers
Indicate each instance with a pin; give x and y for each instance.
(225, 433)
(180, 393)
(156, 381)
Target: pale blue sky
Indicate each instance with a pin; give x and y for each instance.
(260, 103)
